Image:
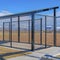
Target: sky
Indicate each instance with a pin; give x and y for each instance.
(18, 6)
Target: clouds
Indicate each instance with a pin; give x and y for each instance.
(25, 18)
(14, 24)
(58, 13)
(24, 24)
(5, 12)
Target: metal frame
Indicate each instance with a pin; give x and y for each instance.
(11, 32)
(41, 31)
(45, 31)
(3, 31)
(32, 32)
(18, 29)
(29, 30)
(54, 27)
(32, 14)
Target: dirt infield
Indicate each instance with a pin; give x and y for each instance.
(11, 53)
(24, 37)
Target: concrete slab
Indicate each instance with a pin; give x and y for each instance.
(22, 45)
(51, 51)
(36, 55)
(23, 58)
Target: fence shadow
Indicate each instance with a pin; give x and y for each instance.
(2, 42)
(12, 53)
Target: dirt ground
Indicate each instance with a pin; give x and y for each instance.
(11, 52)
(24, 37)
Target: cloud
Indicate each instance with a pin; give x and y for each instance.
(58, 13)
(4, 12)
(24, 24)
(0, 26)
(25, 18)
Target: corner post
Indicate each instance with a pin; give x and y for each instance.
(54, 26)
(11, 32)
(41, 31)
(45, 32)
(32, 32)
(18, 29)
(3, 31)
(29, 31)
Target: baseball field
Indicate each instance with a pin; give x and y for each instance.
(24, 37)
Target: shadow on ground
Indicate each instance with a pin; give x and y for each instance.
(2, 42)
(12, 53)
(1, 58)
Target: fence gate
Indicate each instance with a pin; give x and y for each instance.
(6, 34)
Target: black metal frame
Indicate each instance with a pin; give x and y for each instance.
(32, 14)
(29, 30)
(18, 29)
(45, 31)
(3, 31)
(11, 32)
(41, 31)
(54, 27)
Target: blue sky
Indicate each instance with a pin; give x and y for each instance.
(16, 6)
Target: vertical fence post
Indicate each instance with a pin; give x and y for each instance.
(45, 31)
(32, 32)
(3, 31)
(18, 28)
(11, 32)
(29, 30)
(54, 27)
(41, 31)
